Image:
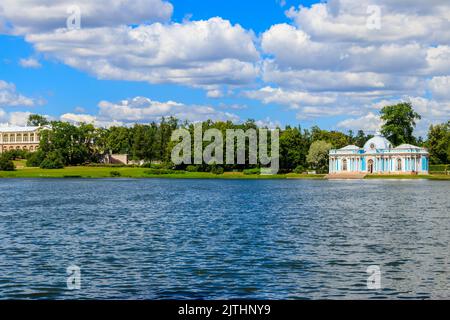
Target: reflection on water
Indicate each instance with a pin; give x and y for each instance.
(185, 239)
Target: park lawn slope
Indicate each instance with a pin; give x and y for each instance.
(133, 172)
(129, 172)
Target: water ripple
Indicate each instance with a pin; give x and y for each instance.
(208, 239)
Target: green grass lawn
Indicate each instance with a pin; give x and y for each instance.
(128, 172)
(20, 163)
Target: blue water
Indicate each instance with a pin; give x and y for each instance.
(216, 239)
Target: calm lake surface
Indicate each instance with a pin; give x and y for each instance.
(223, 239)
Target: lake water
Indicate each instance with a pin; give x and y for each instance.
(224, 239)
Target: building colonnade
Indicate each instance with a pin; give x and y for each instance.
(378, 164)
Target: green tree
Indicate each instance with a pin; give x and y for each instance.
(293, 148)
(336, 138)
(438, 143)
(53, 160)
(399, 123)
(35, 159)
(37, 120)
(6, 164)
(318, 155)
(144, 143)
(118, 140)
(360, 138)
(75, 144)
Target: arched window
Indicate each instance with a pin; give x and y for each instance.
(399, 165)
(344, 165)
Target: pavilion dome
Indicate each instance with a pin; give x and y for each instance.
(378, 142)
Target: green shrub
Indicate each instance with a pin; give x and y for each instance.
(157, 165)
(106, 165)
(115, 174)
(35, 159)
(147, 165)
(252, 171)
(6, 164)
(16, 154)
(192, 168)
(53, 160)
(439, 167)
(300, 169)
(217, 170)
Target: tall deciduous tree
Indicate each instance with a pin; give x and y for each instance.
(399, 123)
(438, 143)
(318, 155)
(37, 120)
(293, 148)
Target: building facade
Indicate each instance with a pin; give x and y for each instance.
(378, 156)
(19, 138)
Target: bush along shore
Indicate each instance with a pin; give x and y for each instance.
(159, 171)
(137, 172)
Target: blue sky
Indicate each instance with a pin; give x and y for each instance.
(334, 64)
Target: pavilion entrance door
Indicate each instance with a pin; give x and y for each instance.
(370, 166)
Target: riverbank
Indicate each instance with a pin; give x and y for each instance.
(130, 172)
(410, 177)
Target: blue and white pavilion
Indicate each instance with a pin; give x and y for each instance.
(378, 156)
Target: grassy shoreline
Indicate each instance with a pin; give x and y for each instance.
(142, 173)
(128, 172)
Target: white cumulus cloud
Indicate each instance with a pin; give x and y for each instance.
(37, 16)
(9, 97)
(195, 53)
(142, 109)
(30, 63)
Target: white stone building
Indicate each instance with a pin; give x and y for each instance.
(19, 138)
(378, 156)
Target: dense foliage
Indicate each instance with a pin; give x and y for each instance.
(438, 143)
(399, 123)
(318, 155)
(67, 144)
(6, 163)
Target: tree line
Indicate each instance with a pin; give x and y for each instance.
(301, 149)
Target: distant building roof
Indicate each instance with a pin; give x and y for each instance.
(407, 146)
(351, 147)
(14, 129)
